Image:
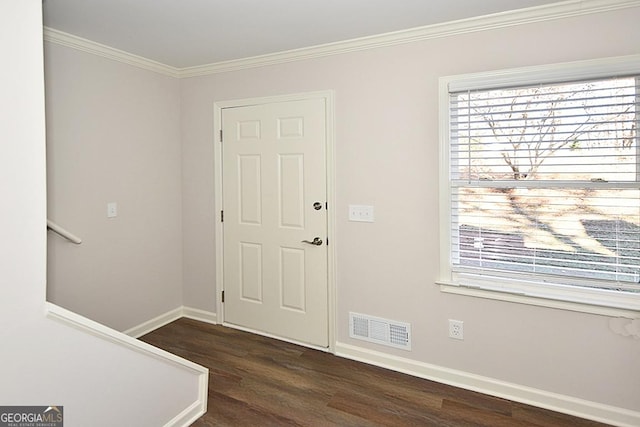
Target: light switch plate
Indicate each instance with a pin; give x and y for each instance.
(361, 213)
(112, 210)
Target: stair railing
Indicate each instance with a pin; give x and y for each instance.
(63, 232)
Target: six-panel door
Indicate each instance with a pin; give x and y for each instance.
(274, 171)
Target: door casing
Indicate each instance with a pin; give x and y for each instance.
(328, 96)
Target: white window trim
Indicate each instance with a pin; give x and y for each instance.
(595, 301)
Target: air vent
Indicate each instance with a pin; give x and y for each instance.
(380, 331)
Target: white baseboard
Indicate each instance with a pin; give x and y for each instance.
(155, 323)
(201, 315)
(553, 401)
(190, 414)
(170, 316)
(527, 395)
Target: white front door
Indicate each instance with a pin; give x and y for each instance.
(275, 219)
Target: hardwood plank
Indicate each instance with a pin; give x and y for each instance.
(542, 417)
(471, 414)
(233, 412)
(254, 380)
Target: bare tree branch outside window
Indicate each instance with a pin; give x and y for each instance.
(568, 142)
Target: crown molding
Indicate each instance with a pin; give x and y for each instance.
(84, 45)
(561, 10)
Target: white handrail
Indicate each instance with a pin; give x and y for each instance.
(62, 232)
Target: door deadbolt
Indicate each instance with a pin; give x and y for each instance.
(317, 206)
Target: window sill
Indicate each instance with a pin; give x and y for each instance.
(539, 299)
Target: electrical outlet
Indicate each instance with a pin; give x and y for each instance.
(456, 329)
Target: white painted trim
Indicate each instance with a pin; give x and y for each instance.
(155, 323)
(561, 10)
(531, 396)
(328, 96)
(186, 417)
(219, 229)
(332, 275)
(539, 74)
(190, 413)
(97, 329)
(200, 315)
(566, 9)
(542, 300)
(171, 316)
(509, 287)
(84, 45)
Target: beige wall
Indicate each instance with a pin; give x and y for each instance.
(42, 361)
(387, 156)
(113, 135)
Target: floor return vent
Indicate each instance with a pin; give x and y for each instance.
(380, 331)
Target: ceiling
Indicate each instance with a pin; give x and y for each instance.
(187, 33)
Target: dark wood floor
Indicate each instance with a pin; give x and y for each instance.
(258, 381)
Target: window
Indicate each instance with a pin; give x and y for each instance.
(541, 170)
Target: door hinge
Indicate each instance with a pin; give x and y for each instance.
(220, 135)
(222, 296)
(221, 216)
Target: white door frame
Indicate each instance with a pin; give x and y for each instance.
(328, 96)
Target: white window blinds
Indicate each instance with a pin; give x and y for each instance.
(544, 182)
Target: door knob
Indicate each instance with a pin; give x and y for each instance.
(316, 241)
